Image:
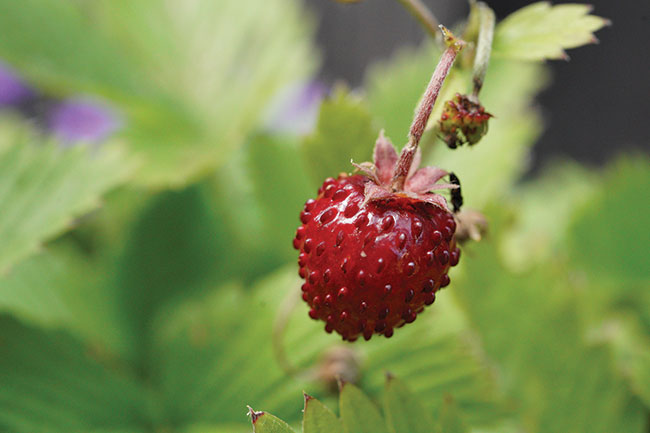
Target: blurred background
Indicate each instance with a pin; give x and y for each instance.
(155, 156)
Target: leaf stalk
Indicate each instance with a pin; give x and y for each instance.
(484, 46)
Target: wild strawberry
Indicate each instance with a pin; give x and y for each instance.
(375, 248)
(463, 121)
(373, 258)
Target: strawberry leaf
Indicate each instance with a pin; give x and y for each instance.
(547, 302)
(318, 418)
(51, 382)
(44, 187)
(59, 289)
(344, 130)
(449, 420)
(404, 412)
(358, 413)
(539, 231)
(630, 345)
(594, 245)
(277, 175)
(266, 423)
(193, 332)
(541, 31)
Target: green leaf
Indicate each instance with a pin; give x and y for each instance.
(538, 233)
(610, 235)
(630, 345)
(266, 423)
(43, 187)
(52, 383)
(436, 356)
(59, 288)
(318, 418)
(541, 31)
(280, 187)
(358, 413)
(450, 420)
(556, 379)
(173, 249)
(226, 335)
(344, 130)
(192, 78)
(218, 428)
(404, 412)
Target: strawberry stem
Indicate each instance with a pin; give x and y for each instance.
(422, 114)
(484, 46)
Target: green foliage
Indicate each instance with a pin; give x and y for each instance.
(358, 413)
(50, 382)
(44, 187)
(343, 132)
(403, 410)
(267, 423)
(541, 31)
(59, 288)
(404, 413)
(192, 77)
(618, 252)
(538, 232)
(450, 421)
(318, 418)
(544, 302)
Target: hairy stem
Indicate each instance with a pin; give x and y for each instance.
(484, 45)
(423, 111)
(424, 15)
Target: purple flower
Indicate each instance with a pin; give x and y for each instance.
(13, 90)
(82, 119)
(295, 109)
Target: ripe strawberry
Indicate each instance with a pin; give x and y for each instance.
(463, 121)
(373, 257)
(375, 248)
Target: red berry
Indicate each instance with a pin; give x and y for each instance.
(371, 265)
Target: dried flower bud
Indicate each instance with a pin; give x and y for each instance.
(470, 225)
(463, 121)
(338, 363)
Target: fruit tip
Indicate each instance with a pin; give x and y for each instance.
(253, 414)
